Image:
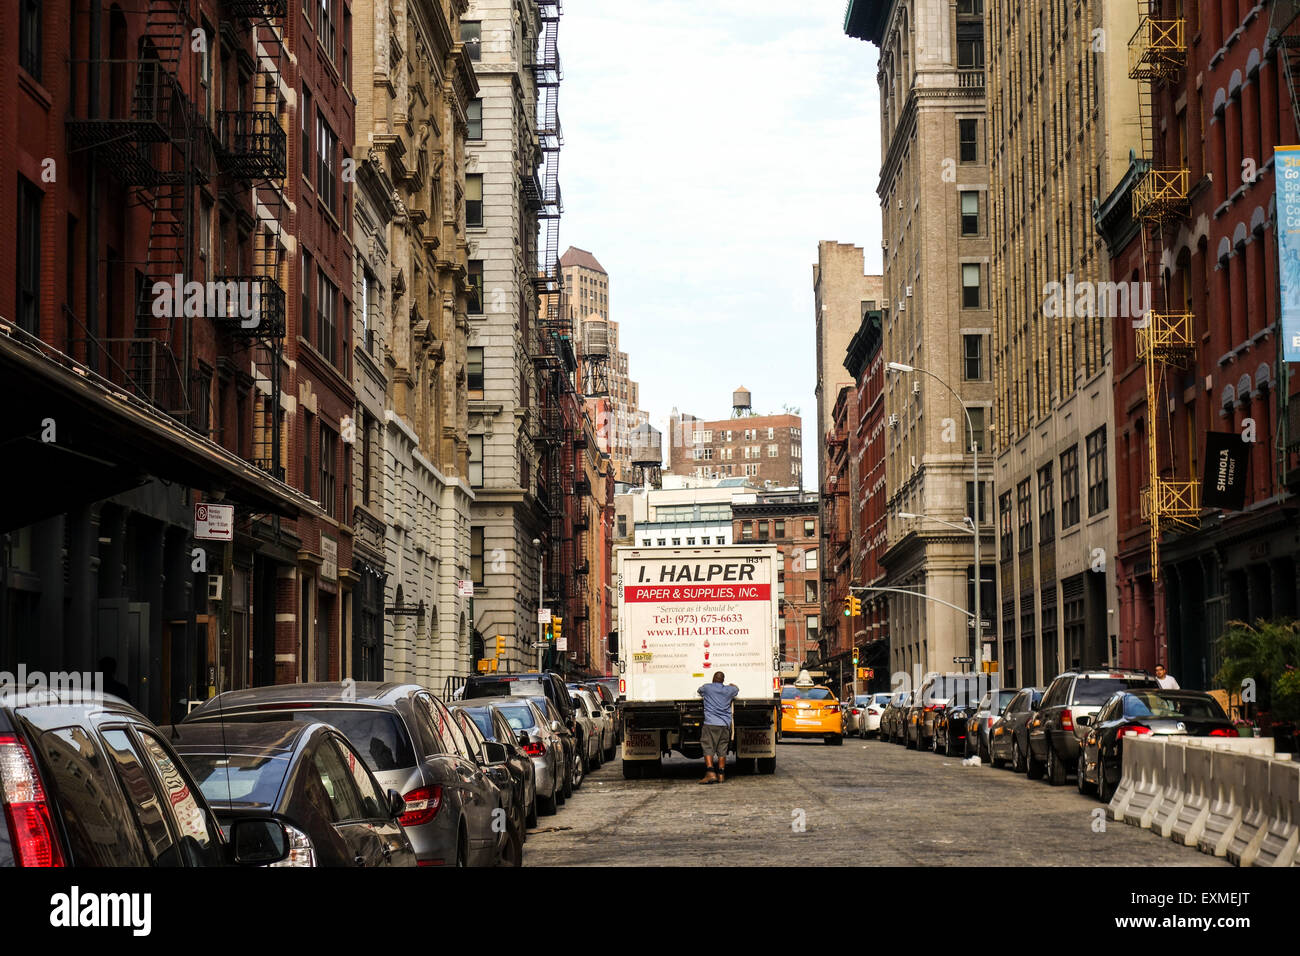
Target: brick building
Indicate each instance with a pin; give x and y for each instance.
(766, 449)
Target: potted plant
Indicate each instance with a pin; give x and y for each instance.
(1262, 662)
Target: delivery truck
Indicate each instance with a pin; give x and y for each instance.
(683, 614)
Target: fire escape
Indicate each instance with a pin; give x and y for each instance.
(1284, 31)
(143, 130)
(555, 360)
(252, 157)
(1157, 54)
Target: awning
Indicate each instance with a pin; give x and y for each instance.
(69, 437)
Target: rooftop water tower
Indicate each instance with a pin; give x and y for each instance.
(647, 444)
(741, 403)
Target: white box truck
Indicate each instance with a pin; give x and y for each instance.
(684, 613)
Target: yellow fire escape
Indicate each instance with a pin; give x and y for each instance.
(1157, 53)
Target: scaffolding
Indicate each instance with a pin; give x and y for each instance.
(1158, 54)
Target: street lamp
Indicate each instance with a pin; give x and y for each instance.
(899, 367)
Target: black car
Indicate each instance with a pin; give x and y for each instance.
(309, 778)
(1055, 733)
(950, 733)
(546, 684)
(979, 725)
(1158, 713)
(1009, 736)
(87, 780)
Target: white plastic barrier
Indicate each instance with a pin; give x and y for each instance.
(1148, 779)
(1227, 788)
(1245, 843)
(1278, 846)
(1175, 791)
(1263, 746)
(1127, 777)
(1190, 823)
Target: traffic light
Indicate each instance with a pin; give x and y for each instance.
(855, 657)
(555, 627)
(501, 645)
(548, 632)
(848, 605)
(857, 605)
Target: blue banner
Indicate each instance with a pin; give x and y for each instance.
(1286, 172)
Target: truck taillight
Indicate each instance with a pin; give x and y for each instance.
(27, 813)
(422, 805)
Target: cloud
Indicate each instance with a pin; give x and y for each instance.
(708, 147)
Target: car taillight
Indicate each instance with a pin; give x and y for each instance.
(934, 706)
(535, 749)
(1067, 719)
(1223, 732)
(856, 711)
(871, 711)
(1133, 730)
(300, 848)
(988, 723)
(422, 805)
(26, 810)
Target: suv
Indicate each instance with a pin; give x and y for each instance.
(87, 780)
(1069, 704)
(546, 684)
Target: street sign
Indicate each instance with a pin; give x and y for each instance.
(562, 644)
(464, 588)
(214, 522)
(543, 615)
(963, 660)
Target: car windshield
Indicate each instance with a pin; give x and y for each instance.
(880, 699)
(378, 735)
(482, 719)
(519, 717)
(1004, 698)
(1091, 691)
(238, 780)
(806, 693)
(1151, 704)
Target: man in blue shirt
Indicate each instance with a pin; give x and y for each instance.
(715, 735)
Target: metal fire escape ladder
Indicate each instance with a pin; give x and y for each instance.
(1157, 54)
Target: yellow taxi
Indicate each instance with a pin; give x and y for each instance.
(810, 710)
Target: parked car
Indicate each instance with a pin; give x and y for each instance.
(811, 712)
(1157, 713)
(543, 748)
(603, 744)
(86, 780)
(569, 741)
(1009, 736)
(929, 702)
(609, 701)
(872, 707)
(495, 726)
(1055, 733)
(545, 684)
(411, 744)
(979, 726)
(950, 730)
(511, 780)
(308, 777)
(893, 718)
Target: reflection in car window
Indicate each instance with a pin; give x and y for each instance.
(372, 801)
(341, 801)
(468, 733)
(191, 819)
(428, 717)
(96, 835)
(250, 780)
(379, 735)
(142, 797)
(1094, 690)
(519, 718)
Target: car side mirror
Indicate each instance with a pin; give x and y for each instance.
(1083, 720)
(555, 727)
(258, 842)
(523, 739)
(396, 804)
(494, 752)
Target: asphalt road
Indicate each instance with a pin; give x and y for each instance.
(865, 803)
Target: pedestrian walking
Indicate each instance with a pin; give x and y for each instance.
(715, 735)
(1165, 679)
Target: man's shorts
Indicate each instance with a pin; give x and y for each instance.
(715, 740)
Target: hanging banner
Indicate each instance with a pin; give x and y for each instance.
(1286, 173)
(1223, 483)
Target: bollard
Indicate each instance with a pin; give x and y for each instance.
(1148, 781)
(1196, 800)
(1279, 843)
(1227, 789)
(1245, 843)
(1171, 800)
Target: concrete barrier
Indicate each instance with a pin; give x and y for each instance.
(1175, 778)
(1278, 845)
(1245, 843)
(1127, 777)
(1148, 780)
(1227, 789)
(1190, 823)
(1263, 746)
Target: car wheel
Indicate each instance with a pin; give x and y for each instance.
(512, 854)
(994, 759)
(631, 769)
(1033, 767)
(610, 752)
(1057, 775)
(1017, 758)
(986, 755)
(1082, 782)
(579, 772)
(1105, 789)
(462, 847)
(531, 821)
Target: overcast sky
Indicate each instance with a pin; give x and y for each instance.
(708, 146)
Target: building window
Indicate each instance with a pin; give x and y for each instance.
(367, 314)
(968, 131)
(1046, 505)
(474, 371)
(1024, 515)
(970, 285)
(780, 528)
(29, 257)
(810, 622)
(474, 303)
(663, 542)
(810, 592)
(326, 318)
(474, 199)
(970, 214)
(471, 34)
(308, 428)
(326, 144)
(984, 501)
(328, 468)
(476, 554)
(677, 542)
(1070, 488)
(476, 461)
(809, 528)
(29, 36)
(970, 48)
(621, 523)
(772, 451)
(690, 542)
(973, 368)
(747, 531)
(970, 8)
(1098, 487)
(980, 436)
(325, 28)
(764, 530)
(1004, 524)
(810, 559)
(474, 118)
(367, 458)
(304, 111)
